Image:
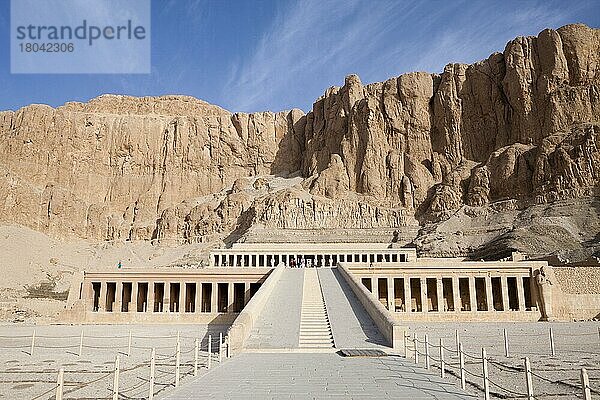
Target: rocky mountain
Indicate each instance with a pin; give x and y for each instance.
(477, 160)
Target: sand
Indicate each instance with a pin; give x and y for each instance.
(29, 259)
(577, 345)
(90, 376)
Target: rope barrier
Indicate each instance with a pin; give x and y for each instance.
(45, 393)
(505, 389)
(471, 356)
(473, 374)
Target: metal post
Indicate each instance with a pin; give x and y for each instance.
(129, 345)
(177, 361)
(228, 347)
(505, 343)
(209, 351)
(416, 351)
(32, 343)
(427, 361)
(116, 379)
(220, 347)
(60, 382)
(552, 349)
(457, 336)
(461, 357)
(528, 379)
(405, 345)
(585, 385)
(486, 382)
(152, 365)
(81, 343)
(196, 357)
(442, 363)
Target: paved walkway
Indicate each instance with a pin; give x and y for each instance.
(278, 325)
(352, 326)
(317, 376)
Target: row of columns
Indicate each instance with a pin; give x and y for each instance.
(457, 300)
(100, 301)
(320, 259)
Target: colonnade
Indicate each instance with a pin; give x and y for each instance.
(452, 293)
(301, 259)
(168, 296)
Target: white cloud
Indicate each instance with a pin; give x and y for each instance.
(321, 41)
(303, 41)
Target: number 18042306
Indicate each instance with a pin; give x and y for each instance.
(47, 47)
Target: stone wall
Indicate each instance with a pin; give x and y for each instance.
(578, 280)
(578, 294)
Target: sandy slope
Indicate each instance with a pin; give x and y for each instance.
(29, 258)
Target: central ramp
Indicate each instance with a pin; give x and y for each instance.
(351, 325)
(315, 330)
(278, 325)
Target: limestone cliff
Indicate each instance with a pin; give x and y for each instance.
(520, 126)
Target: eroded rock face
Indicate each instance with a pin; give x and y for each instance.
(120, 167)
(332, 182)
(519, 126)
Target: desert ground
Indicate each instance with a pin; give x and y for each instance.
(577, 345)
(90, 375)
(27, 376)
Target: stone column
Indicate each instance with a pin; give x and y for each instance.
(167, 297)
(246, 292)
(102, 298)
(198, 299)
(441, 301)
(424, 301)
(472, 293)
(213, 297)
(118, 296)
(375, 286)
(134, 297)
(391, 294)
(87, 296)
(150, 305)
(181, 301)
(230, 289)
(242, 263)
(521, 293)
(456, 293)
(488, 293)
(505, 299)
(407, 301)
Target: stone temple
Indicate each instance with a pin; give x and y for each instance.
(387, 281)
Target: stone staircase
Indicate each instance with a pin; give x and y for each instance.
(315, 329)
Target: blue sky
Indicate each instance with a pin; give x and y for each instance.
(279, 54)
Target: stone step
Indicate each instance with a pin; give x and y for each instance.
(315, 330)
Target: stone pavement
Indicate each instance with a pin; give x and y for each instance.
(352, 326)
(317, 376)
(278, 325)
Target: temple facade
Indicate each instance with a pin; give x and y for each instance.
(409, 287)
